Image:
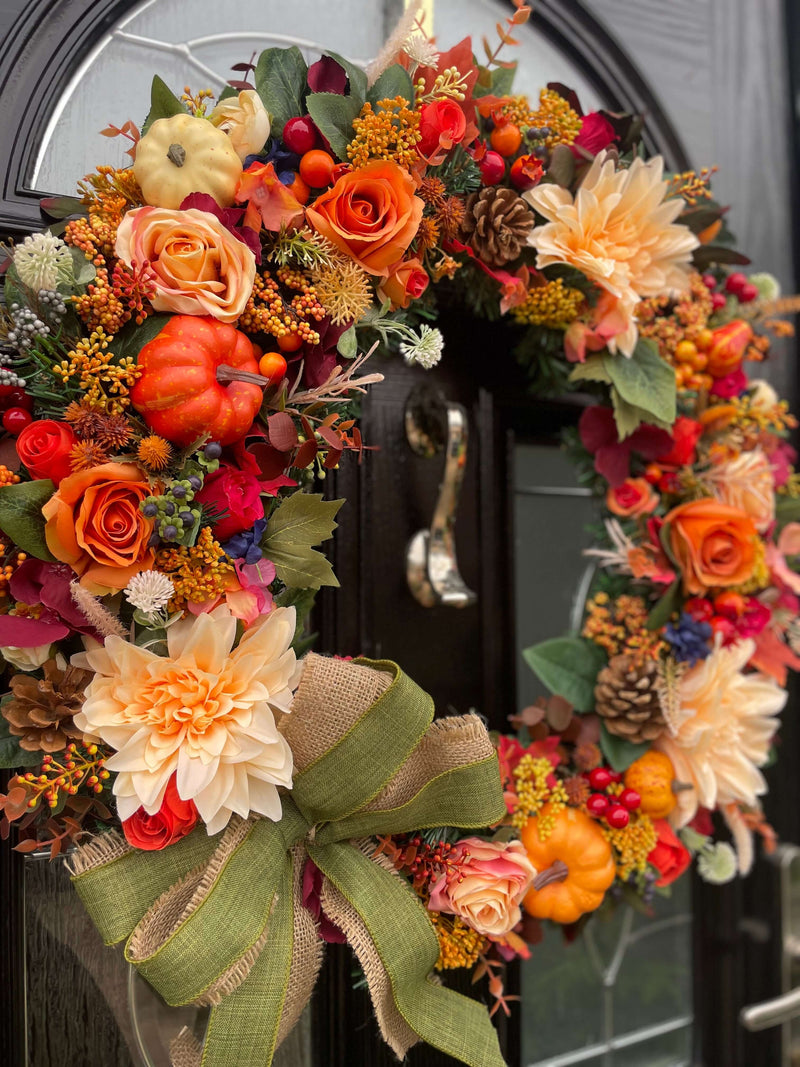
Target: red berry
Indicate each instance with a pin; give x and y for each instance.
(597, 804)
(600, 778)
(699, 608)
(525, 172)
(18, 398)
(734, 282)
(618, 817)
(16, 419)
(616, 776)
(709, 281)
(493, 168)
(652, 473)
(717, 301)
(719, 625)
(748, 293)
(630, 799)
(300, 135)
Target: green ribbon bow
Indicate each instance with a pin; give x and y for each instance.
(219, 920)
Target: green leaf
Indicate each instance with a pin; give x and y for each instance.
(562, 166)
(645, 381)
(302, 600)
(356, 76)
(787, 509)
(334, 116)
(62, 207)
(707, 255)
(347, 345)
(503, 80)
(568, 666)
(593, 370)
(628, 417)
(394, 81)
(227, 93)
(11, 755)
(21, 516)
(163, 104)
(83, 270)
(281, 82)
(301, 521)
(619, 753)
(131, 339)
(668, 605)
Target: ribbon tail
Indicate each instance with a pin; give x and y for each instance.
(406, 943)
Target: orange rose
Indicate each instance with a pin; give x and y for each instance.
(634, 497)
(94, 524)
(713, 544)
(407, 281)
(199, 267)
(371, 214)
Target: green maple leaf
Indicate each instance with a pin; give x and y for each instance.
(300, 522)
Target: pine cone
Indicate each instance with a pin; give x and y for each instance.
(627, 697)
(497, 224)
(41, 709)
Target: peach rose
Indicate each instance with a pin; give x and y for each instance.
(713, 544)
(746, 482)
(634, 497)
(199, 267)
(371, 214)
(94, 524)
(407, 281)
(492, 879)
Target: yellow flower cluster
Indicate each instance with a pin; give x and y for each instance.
(633, 843)
(760, 578)
(776, 418)
(459, 944)
(391, 131)
(555, 113)
(552, 305)
(533, 792)
(199, 573)
(517, 109)
(620, 626)
(104, 379)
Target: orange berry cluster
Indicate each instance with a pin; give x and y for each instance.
(267, 311)
(7, 477)
(83, 764)
(391, 131)
(621, 626)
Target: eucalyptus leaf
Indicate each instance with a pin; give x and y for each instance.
(83, 270)
(619, 753)
(787, 509)
(562, 166)
(21, 516)
(280, 79)
(568, 666)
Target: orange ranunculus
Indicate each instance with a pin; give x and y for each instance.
(198, 267)
(371, 214)
(94, 524)
(634, 497)
(407, 281)
(714, 544)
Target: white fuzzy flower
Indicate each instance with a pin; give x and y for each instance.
(421, 51)
(717, 863)
(426, 349)
(149, 591)
(43, 261)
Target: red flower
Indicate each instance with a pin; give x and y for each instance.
(733, 384)
(442, 124)
(44, 447)
(173, 820)
(596, 134)
(670, 858)
(685, 435)
(598, 433)
(234, 495)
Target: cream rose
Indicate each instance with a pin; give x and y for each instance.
(199, 267)
(492, 879)
(746, 483)
(245, 120)
(26, 659)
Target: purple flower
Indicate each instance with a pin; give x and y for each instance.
(245, 545)
(46, 584)
(689, 639)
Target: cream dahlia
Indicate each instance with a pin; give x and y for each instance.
(618, 231)
(746, 482)
(203, 711)
(721, 732)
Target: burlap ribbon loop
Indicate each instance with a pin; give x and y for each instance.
(220, 921)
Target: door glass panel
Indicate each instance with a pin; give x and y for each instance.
(620, 995)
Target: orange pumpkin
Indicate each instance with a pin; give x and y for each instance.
(652, 775)
(180, 394)
(574, 862)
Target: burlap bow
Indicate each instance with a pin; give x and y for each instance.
(220, 921)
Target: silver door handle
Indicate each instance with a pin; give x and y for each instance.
(434, 424)
(771, 1012)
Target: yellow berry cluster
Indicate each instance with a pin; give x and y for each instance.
(390, 131)
(7, 477)
(533, 791)
(199, 573)
(100, 306)
(105, 380)
(268, 312)
(196, 102)
(670, 322)
(552, 305)
(620, 626)
(10, 559)
(760, 578)
(517, 109)
(459, 944)
(554, 112)
(692, 185)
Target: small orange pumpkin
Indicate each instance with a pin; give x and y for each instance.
(179, 393)
(652, 775)
(574, 862)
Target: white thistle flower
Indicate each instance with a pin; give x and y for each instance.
(717, 863)
(421, 51)
(617, 556)
(426, 349)
(149, 591)
(43, 261)
(693, 840)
